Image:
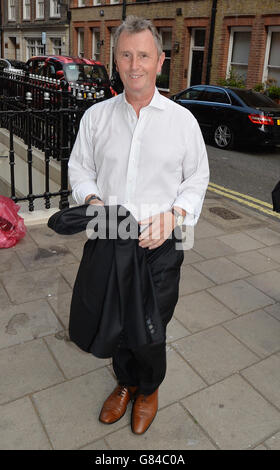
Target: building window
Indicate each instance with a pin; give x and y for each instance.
(272, 56)
(56, 46)
(34, 46)
(196, 56)
(114, 1)
(239, 49)
(26, 9)
(163, 78)
(96, 44)
(96, 2)
(11, 10)
(81, 43)
(40, 7)
(54, 8)
(81, 3)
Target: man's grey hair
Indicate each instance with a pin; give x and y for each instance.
(136, 24)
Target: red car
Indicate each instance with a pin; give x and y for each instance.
(72, 70)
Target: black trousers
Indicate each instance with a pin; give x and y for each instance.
(146, 366)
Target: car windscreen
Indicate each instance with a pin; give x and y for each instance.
(84, 72)
(254, 99)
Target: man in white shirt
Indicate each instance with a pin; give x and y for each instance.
(147, 154)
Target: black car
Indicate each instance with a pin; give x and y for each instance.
(230, 115)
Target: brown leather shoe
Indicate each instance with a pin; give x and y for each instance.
(143, 412)
(115, 405)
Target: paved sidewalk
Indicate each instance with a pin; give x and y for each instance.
(222, 385)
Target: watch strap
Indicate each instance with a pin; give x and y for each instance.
(91, 198)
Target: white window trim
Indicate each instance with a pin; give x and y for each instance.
(52, 10)
(113, 2)
(81, 30)
(38, 10)
(10, 9)
(96, 3)
(271, 30)
(242, 29)
(160, 31)
(94, 42)
(24, 15)
(81, 3)
(193, 48)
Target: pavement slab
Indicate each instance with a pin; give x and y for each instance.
(221, 270)
(268, 283)
(72, 421)
(192, 280)
(240, 296)
(172, 428)
(233, 414)
(215, 354)
(273, 443)
(200, 310)
(241, 242)
(258, 330)
(27, 368)
(254, 262)
(24, 322)
(265, 235)
(20, 427)
(265, 377)
(34, 285)
(72, 360)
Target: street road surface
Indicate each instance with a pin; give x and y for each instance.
(253, 172)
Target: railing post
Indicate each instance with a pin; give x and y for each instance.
(64, 151)
(12, 159)
(47, 193)
(30, 196)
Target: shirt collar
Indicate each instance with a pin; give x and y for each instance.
(157, 100)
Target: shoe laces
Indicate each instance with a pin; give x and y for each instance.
(122, 391)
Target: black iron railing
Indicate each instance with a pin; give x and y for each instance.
(45, 115)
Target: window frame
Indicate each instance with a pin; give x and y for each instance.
(271, 29)
(54, 6)
(236, 29)
(37, 9)
(193, 47)
(24, 10)
(168, 29)
(11, 10)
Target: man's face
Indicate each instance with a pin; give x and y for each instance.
(138, 63)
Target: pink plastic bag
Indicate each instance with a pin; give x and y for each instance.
(12, 227)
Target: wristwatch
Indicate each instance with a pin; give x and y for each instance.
(179, 218)
(91, 198)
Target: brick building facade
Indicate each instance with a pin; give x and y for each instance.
(23, 22)
(246, 37)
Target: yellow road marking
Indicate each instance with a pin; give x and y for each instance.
(245, 196)
(228, 193)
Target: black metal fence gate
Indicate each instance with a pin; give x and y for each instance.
(47, 117)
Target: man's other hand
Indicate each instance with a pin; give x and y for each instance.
(161, 226)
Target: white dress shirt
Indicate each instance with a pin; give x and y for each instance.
(146, 164)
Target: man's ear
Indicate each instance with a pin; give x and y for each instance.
(116, 65)
(160, 62)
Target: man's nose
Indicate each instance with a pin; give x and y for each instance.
(134, 62)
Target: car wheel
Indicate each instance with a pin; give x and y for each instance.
(223, 136)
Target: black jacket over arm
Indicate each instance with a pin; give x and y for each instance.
(114, 294)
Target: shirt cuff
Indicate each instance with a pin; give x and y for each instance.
(82, 190)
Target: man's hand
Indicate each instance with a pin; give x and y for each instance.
(94, 201)
(161, 226)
